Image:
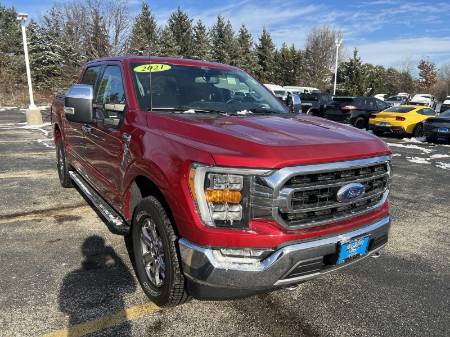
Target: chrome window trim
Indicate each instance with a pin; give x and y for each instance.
(279, 178)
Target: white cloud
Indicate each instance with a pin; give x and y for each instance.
(393, 52)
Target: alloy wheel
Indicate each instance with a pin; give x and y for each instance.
(153, 253)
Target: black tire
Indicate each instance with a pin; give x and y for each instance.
(168, 289)
(360, 123)
(418, 131)
(430, 139)
(62, 165)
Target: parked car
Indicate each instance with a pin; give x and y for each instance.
(219, 195)
(353, 110)
(405, 94)
(380, 96)
(396, 100)
(445, 105)
(315, 103)
(301, 89)
(403, 119)
(437, 127)
(424, 100)
(277, 90)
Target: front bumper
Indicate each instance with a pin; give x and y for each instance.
(211, 275)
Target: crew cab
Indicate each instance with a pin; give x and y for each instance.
(219, 189)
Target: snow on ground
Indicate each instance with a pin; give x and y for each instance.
(414, 140)
(5, 108)
(439, 156)
(418, 160)
(445, 166)
(413, 147)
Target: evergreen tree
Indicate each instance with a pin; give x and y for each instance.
(284, 60)
(223, 44)
(266, 53)
(201, 42)
(297, 64)
(45, 56)
(353, 76)
(181, 31)
(144, 38)
(168, 43)
(97, 41)
(246, 56)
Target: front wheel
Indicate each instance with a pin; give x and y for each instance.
(155, 255)
(62, 165)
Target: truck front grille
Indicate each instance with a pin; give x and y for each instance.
(306, 196)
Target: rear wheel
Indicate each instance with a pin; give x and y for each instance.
(418, 131)
(62, 165)
(155, 255)
(360, 123)
(378, 133)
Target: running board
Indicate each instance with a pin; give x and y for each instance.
(116, 224)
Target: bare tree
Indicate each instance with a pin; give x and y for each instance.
(320, 51)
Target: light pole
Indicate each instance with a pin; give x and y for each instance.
(338, 44)
(33, 114)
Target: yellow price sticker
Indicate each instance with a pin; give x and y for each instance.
(152, 68)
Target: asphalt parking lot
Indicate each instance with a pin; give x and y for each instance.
(62, 273)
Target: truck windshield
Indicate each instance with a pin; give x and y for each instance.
(161, 86)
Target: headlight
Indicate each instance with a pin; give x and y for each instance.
(222, 194)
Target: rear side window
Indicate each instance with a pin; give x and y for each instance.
(427, 112)
(308, 97)
(343, 99)
(90, 76)
(400, 109)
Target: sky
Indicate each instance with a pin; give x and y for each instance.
(386, 32)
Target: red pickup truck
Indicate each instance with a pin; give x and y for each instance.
(221, 191)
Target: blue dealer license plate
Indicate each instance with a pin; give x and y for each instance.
(383, 124)
(353, 249)
(442, 130)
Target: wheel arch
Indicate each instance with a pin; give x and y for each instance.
(142, 186)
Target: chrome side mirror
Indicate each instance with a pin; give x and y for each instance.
(78, 103)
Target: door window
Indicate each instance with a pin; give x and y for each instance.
(90, 76)
(111, 96)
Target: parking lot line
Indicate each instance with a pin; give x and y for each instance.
(105, 322)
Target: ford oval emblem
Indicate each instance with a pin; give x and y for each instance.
(350, 192)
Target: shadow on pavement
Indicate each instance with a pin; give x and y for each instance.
(97, 288)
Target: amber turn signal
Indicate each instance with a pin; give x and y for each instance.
(223, 196)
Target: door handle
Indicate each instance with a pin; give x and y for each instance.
(86, 129)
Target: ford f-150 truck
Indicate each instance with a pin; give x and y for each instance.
(219, 189)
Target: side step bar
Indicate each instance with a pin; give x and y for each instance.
(116, 224)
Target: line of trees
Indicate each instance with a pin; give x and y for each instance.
(71, 33)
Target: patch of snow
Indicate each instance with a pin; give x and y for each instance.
(396, 155)
(412, 147)
(45, 143)
(5, 108)
(445, 166)
(439, 156)
(244, 112)
(190, 111)
(37, 127)
(418, 160)
(415, 140)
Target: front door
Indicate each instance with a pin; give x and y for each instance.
(75, 136)
(108, 141)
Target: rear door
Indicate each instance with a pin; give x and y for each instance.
(108, 141)
(75, 135)
(337, 109)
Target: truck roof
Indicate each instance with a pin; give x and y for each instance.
(163, 59)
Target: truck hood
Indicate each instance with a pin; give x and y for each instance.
(269, 141)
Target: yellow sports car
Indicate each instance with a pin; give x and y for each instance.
(401, 119)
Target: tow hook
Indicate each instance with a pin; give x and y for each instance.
(376, 255)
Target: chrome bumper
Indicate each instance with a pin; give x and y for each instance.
(215, 276)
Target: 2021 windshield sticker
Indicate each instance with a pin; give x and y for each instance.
(152, 68)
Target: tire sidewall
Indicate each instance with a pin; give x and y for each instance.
(416, 130)
(147, 209)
